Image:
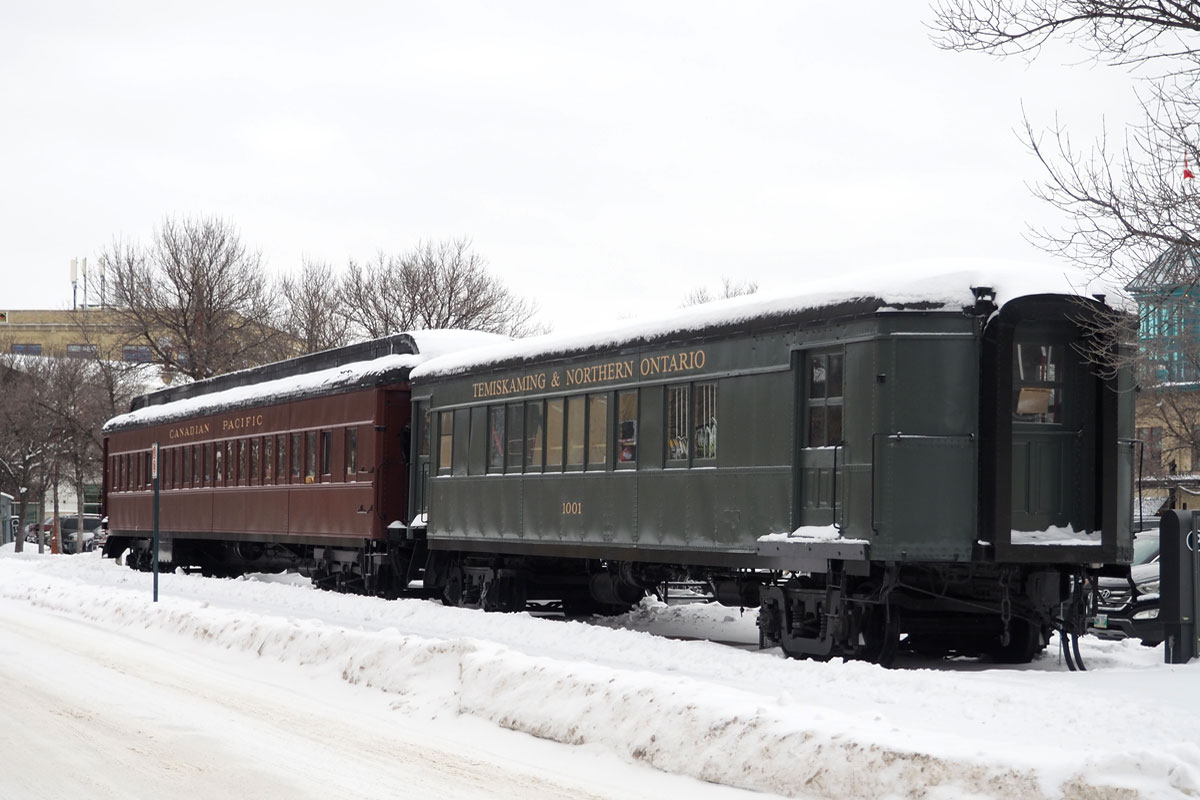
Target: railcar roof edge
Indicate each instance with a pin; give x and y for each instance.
(341, 368)
(924, 286)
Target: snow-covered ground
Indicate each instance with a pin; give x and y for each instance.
(265, 687)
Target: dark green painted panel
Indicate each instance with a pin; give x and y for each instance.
(925, 498)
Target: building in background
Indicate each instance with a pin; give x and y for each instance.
(79, 333)
(1167, 293)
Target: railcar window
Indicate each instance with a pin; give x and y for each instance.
(219, 463)
(123, 472)
(195, 448)
(677, 424)
(268, 459)
(281, 461)
(1038, 382)
(310, 456)
(208, 448)
(351, 452)
(426, 432)
(627, 427)
(445, 442)
(149, 480)
(597, 456)
(168, 468)
(513, 455)
(554, 433)
(185, 465)
(255, 447)
(326, 453)
(576, 430)
(534, 436)
(495, 459)
(825, 399)
(243, 473)
(705, 420)
(297, 456)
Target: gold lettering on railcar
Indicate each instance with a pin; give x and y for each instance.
(187, 431)
(503, 386)
(600, 373)
(607, 372)
(673, 362)
(242, 423)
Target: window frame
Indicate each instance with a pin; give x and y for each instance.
(677, 417)
(824, 403)
(602, 416)
(350, 443)
(631, 441)
(497, 439)
(713, 409)
(445, 449)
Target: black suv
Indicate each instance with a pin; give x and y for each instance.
(1128, 609)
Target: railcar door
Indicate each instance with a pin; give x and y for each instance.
(395, 440)
(821, 395)
(421, 449)
(1053, 431)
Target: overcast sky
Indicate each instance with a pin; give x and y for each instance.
(606, 159)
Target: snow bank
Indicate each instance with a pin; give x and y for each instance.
(746, 719)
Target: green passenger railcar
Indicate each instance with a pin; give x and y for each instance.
(938, 463)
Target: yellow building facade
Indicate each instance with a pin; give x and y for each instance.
(83, 332)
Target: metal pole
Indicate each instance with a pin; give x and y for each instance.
(154, 477)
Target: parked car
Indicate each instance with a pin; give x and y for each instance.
(68, 528)
(1128, 609)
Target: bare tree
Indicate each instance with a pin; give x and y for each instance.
(315, 315)
(1129, 202)
(1127, 199)
(198, 297)
(51, 414)
(730, 287)
(436, 285)
(25, 436)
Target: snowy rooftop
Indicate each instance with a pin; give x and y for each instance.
(428, 344)
(927, 285)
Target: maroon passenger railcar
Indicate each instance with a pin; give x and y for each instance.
(297, 465)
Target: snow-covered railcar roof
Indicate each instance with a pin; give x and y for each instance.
(924, 286)
(357, 365)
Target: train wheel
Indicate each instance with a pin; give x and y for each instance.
(504, 593)
(452, 592)
(1024, 642)
(881, 636)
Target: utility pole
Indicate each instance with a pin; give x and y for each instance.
(55, 548)
(154, 469)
